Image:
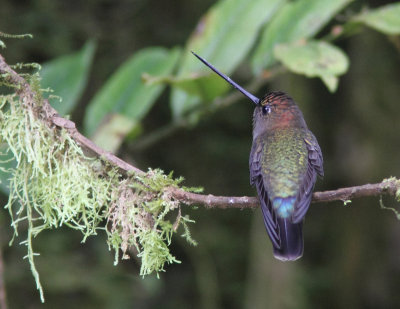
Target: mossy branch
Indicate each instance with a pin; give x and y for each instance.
(57, 182)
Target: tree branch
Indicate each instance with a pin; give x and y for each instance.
(389, 186)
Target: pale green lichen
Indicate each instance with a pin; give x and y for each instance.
(395, 211)
(13, 36)
(55, 184)
(137, 217)
(397, 184)
(388, 182)
(346, 202)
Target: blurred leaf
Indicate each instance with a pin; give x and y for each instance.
(125, 92)
(204, 85)
(207, 87)
(296, 20)
(111, 134)
(67, 76)
(314, 59)
(223, 36)
(385, 19)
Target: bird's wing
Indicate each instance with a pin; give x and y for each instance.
(314, 154)
(315, 166)
(256, 180)
(254, 162)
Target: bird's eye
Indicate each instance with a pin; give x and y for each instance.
(266, 110)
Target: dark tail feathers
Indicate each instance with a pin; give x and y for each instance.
(291, 239)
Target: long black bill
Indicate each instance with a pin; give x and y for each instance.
(246, 93)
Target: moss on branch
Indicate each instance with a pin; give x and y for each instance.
(54, 184)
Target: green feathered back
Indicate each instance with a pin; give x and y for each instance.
(284, 161)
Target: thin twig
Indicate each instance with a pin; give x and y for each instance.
(387, 187)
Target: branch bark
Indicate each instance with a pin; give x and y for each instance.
(389, 186)
(386, 187)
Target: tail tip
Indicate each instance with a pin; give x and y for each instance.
(287, 257)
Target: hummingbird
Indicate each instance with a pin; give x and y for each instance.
(284, 162)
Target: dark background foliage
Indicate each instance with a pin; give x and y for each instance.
(352, 253)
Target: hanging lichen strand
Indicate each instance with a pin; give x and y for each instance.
(53, 184)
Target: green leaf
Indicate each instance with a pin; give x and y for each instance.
(204, 85)
(314, 59)
(385, 19)
(223, 36)
(125, 92)
(297, 20)
(67, 76)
